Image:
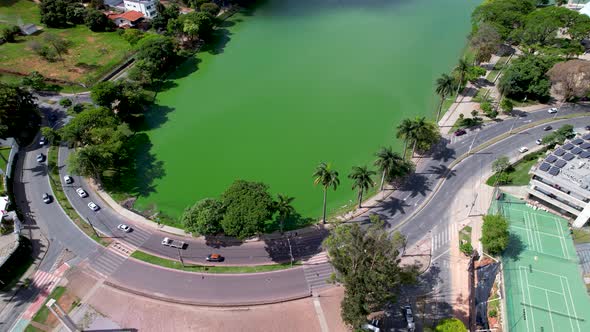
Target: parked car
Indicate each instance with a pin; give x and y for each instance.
(93, 206)
(460, 132)
(81, 192)
(124, 228)
(42, 141)
(372, 326)
(68, 179)
(552, 110)
(539, 141)
(523, 149)
(46, 198)
(40, 158)
(173, 243)
(547, 128)
(215, 258)
(409, 318)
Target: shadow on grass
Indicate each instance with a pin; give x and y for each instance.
(137, 171)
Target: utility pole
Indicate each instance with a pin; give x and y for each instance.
(180, 257)
(290, 249)
(93, 229)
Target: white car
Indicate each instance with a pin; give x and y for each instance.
(552, 110)
(68, 179)
(40, 158)
(124, 228)
(523, 149)
(93, 206)
(539, 141)
(81, 192)
(46, 198)
(42, 140)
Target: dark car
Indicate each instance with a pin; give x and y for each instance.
(546, 128)
(587, 127)
(460, 132)
(215, 258)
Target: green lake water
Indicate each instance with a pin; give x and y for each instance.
(298, 82)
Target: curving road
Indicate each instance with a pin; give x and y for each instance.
(244, 289)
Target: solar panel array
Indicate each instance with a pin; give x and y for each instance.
(544, 167)
(568, 146)
(560, 163)
(567, 152)
(576, 150)
(586, 137)
(577, 141)
(559, 152)
(568, 156)
(551, 158)
(585, 145)
(554, 171)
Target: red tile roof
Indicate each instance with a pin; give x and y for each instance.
(132, 15)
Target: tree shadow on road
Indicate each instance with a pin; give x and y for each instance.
(416, 184)
(300, 246)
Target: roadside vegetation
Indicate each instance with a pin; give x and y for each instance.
(516, 174)
(581, 235)
(450, 325)
(64, 298)
(179, 265)
(465, 240)
(495, 234)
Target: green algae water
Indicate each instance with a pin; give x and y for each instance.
(298, 82)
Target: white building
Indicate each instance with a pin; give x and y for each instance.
(146, 7)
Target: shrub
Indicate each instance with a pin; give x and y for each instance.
(495, 234)
(493, 313)
(9, 33)
(210, 8)
(66, 102)
(466, 248)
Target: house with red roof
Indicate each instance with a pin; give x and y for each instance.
(128, 19)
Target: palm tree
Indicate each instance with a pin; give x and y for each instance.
(327, 177)
(461, 70)
(387, 161)
(444, 87)
(361, 177)
(404, 131)
(284, 208)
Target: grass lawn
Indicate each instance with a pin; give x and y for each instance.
(581, 235)
(66, 301)
(518, 174)
(497, 68)
(5, 153)
(61, 198)
(91, 55)
(142, 256)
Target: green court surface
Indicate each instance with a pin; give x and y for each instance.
(542, 279)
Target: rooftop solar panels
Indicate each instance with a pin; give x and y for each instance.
(578, 141)
(585, 154)
(585, 145)
(559, 152)
(551, 158)
(586, 137)
(568, 146)
(554, 171)
(545, 167)
(576, 150)
(560, 163)
(568, 156)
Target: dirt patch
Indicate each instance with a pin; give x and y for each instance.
(66, 302)
(90, 39)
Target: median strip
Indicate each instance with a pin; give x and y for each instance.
(173, 264)
(62, 200)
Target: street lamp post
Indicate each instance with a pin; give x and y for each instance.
(180, 257)
(93, 229)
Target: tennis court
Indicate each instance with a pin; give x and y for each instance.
(542, 280)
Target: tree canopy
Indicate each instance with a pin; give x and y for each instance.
(248, 205)
(571, 79)
(204, 217)
(61, 13)
(503, 15)
(485, 41)
(495, 234)
(560, 135)
(450, 325)
(526, 78)
(368, 265)
(19, 116)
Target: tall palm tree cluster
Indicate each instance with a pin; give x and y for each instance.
(446, 84)
(418, 132)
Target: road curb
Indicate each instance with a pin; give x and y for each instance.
(204, 304)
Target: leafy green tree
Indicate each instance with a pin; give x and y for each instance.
(248, 205)
(450, 325)
(57, 43)
(76, 13)
(475, 72)
(503, 15)
(405, 131)
(391, 165)
(560, 135)
(157, 49)
(96, 21)
(165, 14)
(368, 267)
(462, 71)
(19, 116)
(445, 85)
(501, 164)
(506, 105)
(526, 78)
(104, 93)
(424, 134)
(50, 134)
(60, 13)
(495, 234)
(132, 36)
(144, 72)
(210, 8)
(327, 177)
(362, 180)
(34, 80)
(9, 33)
(204, 217)
(65, 102)
(485, 41)
(284, 208)
(79, 131)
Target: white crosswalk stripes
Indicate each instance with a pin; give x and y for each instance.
(319, 258)
(443, 237)
(317, 271)
(137, 237)
(43, 280)
(107, 261)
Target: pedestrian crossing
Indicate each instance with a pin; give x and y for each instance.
(136, 237)
(107, 261)
(45, 282)
(317, 271)
(443, 237)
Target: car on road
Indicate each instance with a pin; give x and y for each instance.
(124, 228)
(40, 158)
(409, 318)
(93, 206)
(215, 258)
(539, 141)
(81, 192)
(547, 128)
(523, 149)
(42, 140)
(373, 325)
(46, 198)
(68, 179)
(552, 110)
(460, 132)
(173, 243)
